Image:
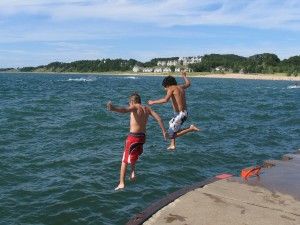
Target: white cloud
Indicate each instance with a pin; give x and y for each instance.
(34, 32)
(254, 13)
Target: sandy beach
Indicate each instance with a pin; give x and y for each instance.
(209, 75)
(227, 76)
(251, 76)
(192, 74)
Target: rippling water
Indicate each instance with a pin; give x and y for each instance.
(60, 150)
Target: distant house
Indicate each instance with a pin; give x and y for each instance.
(161, 63)
(167, 70)
(172, 63)
(220, 68)
(137, 69)
(158, 70)
(196, 59)
(164, 65)
(177, 69)
(189, 60)
(148, 70)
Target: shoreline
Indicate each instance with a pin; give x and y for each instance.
(192, 74)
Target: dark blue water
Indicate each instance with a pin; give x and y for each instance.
(60, 150)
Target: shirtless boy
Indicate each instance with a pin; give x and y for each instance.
(136, 138)
(177, 94)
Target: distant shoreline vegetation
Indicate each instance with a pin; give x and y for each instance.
(265, 63)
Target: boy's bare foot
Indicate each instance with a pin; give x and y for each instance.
(171, 147)
(194, 128)
(132, 176)
(120, 186)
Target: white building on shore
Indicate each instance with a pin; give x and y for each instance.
(148, 70)
(164, 65)
(137, 69)
(172, 63)
(189, 60)
(158, 70)
(168, 62)
(161, 63)
(167, 70)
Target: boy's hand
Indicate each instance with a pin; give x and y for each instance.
(150, 102)
(109, 105)
(183, 73)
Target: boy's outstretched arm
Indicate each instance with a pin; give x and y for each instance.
(159, 121)
(187, 81)
(119, 109)
(162, 100)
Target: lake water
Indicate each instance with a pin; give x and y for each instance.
(60, 149)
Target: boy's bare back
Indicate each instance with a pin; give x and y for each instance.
(139, 118)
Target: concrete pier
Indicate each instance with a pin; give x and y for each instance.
(271, 198)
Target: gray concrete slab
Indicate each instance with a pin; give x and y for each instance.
(271, 198)
(230, 202)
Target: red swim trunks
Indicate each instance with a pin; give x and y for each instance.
(133, 147)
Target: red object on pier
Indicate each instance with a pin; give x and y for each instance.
(250, 171)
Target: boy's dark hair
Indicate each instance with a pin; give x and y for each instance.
(136, 98)
(168, 81)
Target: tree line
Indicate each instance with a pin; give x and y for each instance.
(259, 63)
(85, 66)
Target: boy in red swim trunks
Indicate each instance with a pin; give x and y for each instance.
(136, 138)
(177, 94)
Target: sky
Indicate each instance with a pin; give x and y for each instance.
(37, 32)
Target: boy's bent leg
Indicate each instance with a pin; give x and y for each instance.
(122, 176)
(192, 128)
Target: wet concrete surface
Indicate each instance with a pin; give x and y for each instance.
(271, 198)
(283, 177)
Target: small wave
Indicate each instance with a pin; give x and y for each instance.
(293, 86)
(130, 77)
(89, 79)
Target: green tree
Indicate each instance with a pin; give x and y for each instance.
(172, 68)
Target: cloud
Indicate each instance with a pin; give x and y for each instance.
(37, 32)
(254, 13)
